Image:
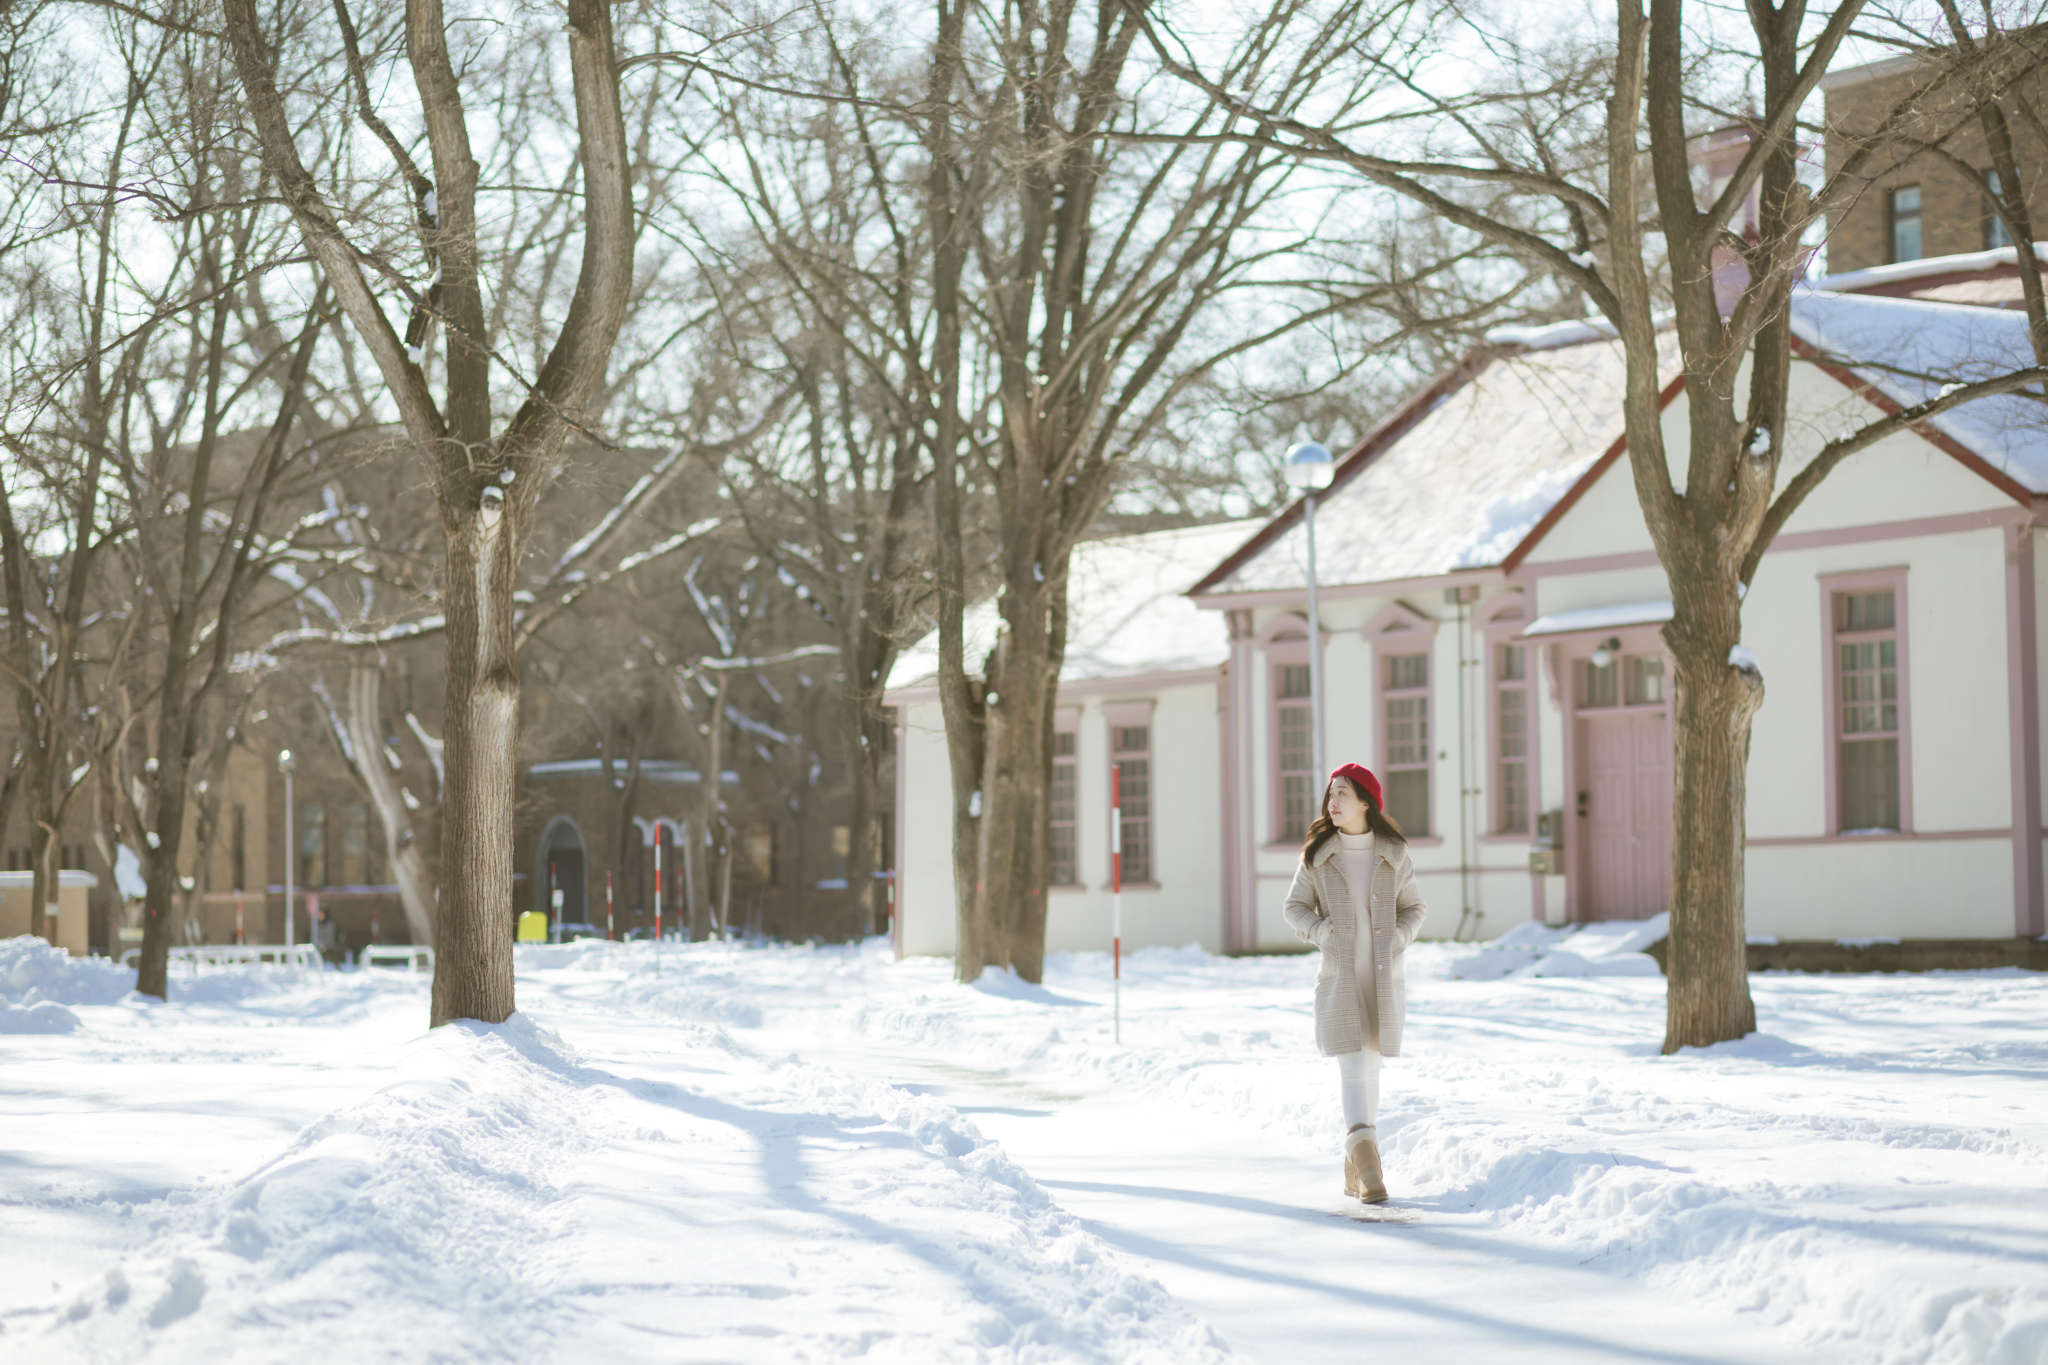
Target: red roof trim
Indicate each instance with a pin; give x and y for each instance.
(1374, 444)
(1949, 445)
(1578, 490)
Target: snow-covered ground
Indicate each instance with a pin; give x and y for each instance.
(772, 1154)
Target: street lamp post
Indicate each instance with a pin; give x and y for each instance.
(1310, 467)
(285, 764)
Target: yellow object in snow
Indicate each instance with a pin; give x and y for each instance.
(533, 927)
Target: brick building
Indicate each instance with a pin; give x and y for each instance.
(1919, 202)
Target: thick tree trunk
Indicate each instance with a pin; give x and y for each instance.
(1016, 778)
(473, 948)
(364, 719)
(1707, 999)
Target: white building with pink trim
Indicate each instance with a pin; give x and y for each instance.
(1490, 606)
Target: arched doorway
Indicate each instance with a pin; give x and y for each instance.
(559, 866)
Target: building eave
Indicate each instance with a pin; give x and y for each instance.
(1376, 442)
(1328, 592)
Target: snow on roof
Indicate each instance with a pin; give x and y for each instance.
(1461, 487)
(1127, 609)
(1968, 262)
(1552, 334)
(1936, 344)
(1602, 618)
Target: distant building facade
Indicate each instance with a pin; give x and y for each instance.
(1490, 612)
(1920, 203)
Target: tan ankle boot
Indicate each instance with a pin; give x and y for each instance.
(1362, 1178)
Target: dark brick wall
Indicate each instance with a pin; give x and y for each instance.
(1952, 204)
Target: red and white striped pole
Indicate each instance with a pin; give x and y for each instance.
(657, 900)
(607, 905)
(1116, 898)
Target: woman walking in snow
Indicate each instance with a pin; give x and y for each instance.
(1356, 856)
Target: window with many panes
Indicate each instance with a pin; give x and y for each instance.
(1631, 680)
(1904, 206)
(1867, 709)
(1406, 701)
(1066, 859)
(1131, 751)
(1297, 804)
(1511, 740)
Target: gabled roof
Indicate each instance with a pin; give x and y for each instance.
(1462, 473)
(1128, 612)
(1908, 349)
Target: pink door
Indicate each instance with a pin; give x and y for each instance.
(1625, 776)
(1651, 812)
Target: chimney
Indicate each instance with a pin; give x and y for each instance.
(1718, 153)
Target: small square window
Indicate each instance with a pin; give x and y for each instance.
(1598, 687)
(1645, 681)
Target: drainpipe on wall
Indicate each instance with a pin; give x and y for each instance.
(1461, 597)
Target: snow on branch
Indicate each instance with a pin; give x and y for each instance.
(388, 635)
(788, 656)
(648, 484)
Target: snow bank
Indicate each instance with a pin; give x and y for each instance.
(1862, 1178)
(32, 970)
(1610, 948)
(501, 1197)
(44, 1016)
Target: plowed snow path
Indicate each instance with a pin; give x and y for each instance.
(787, 1154)
(1866, 1179)
(1263, 1244)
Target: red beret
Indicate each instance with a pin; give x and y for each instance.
(1367, 783)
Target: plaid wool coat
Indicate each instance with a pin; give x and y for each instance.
(1322, 909)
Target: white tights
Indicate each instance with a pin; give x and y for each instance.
(1360, 1071)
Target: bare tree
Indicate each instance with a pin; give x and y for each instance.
(487, 482)
(1116, 244)
(1577, 158)
(126, 639)
(836, 493)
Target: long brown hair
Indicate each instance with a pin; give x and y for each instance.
(1381, 824)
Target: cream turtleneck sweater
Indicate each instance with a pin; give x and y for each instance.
(1357, 852)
